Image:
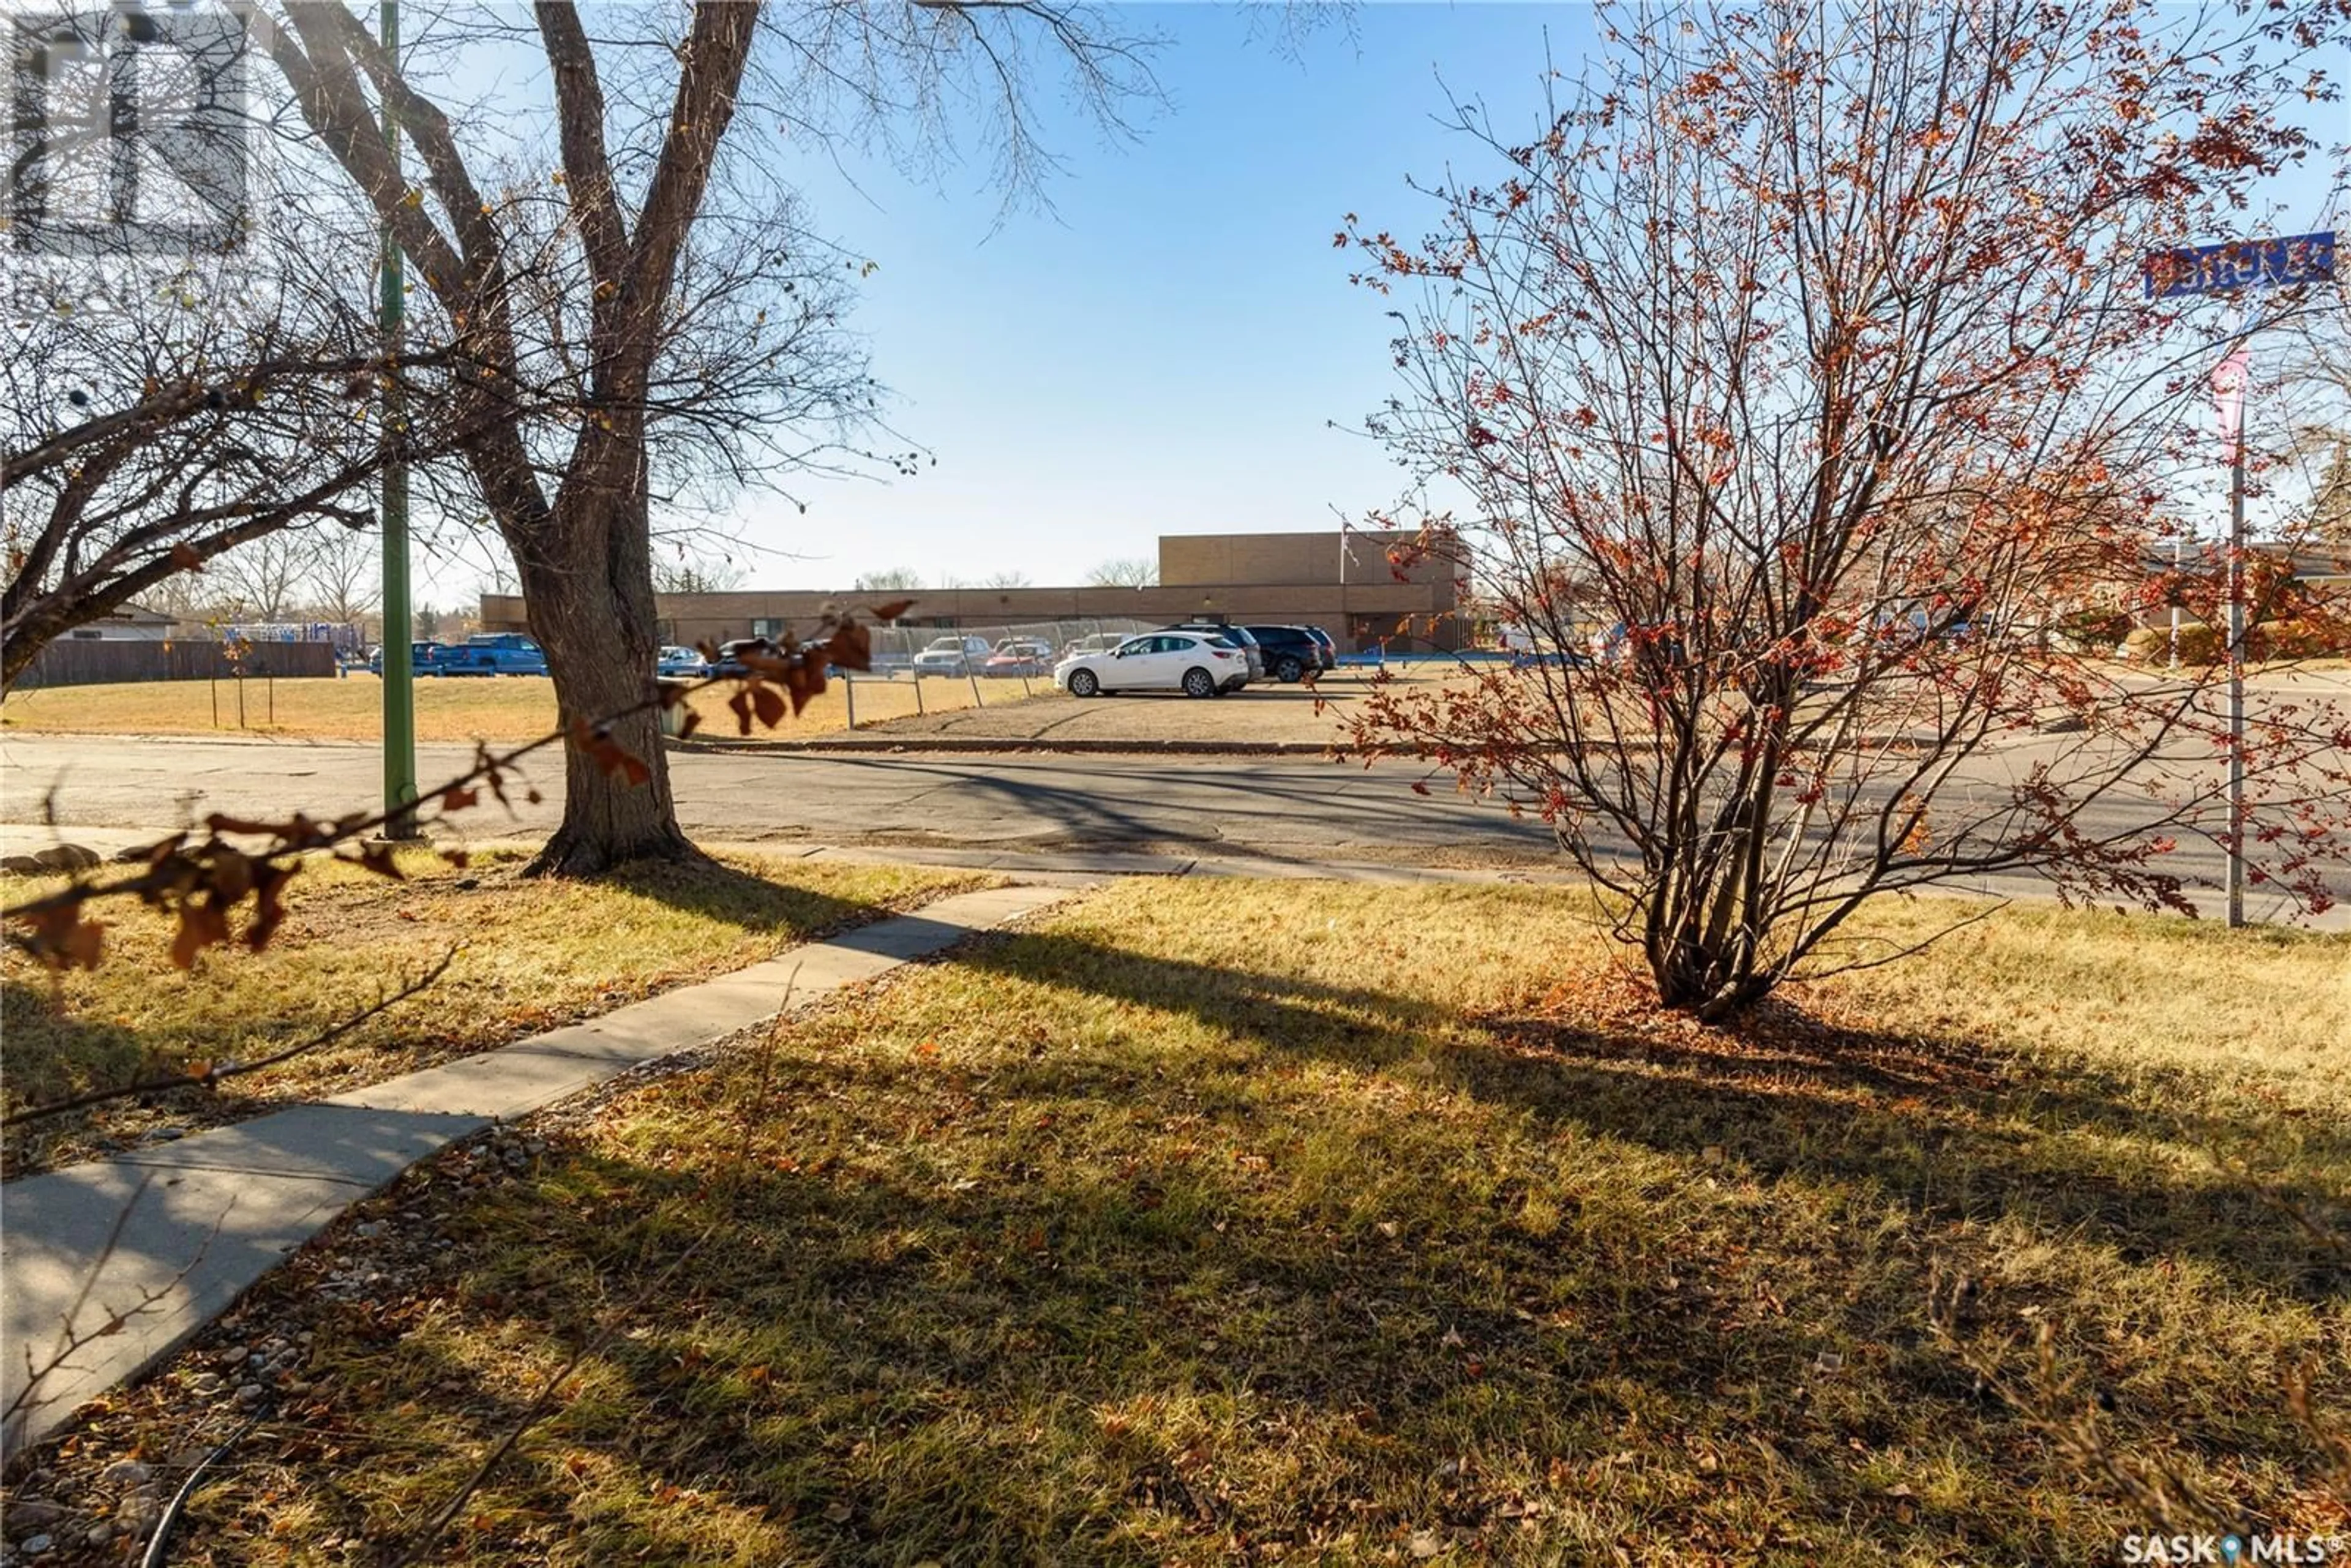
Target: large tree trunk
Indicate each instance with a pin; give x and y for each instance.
(586, 587)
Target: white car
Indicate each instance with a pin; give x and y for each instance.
(952, 657)
(1193, 662)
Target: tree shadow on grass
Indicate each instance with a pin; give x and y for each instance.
(1954, 1130)
(731, 895)
(1131, 1346)
(1108, 1364)
(1080, 1368)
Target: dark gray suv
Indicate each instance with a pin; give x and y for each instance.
(1290, 652)
(1231, 633)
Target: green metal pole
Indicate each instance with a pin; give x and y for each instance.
(399, 667)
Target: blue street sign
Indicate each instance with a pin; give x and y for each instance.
(2241, 264)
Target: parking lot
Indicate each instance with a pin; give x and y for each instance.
(518, 708)
(1261, 712)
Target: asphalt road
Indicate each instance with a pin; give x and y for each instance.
(1299, 809)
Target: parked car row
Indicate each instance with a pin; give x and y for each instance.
(484, 653)
(1204, 658)
(1198, 658)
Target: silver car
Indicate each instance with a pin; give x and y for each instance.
(952, 657)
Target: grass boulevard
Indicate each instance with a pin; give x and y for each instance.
(1185, 1226)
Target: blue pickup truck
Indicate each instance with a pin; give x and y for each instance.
(424, 659)
(493, 653)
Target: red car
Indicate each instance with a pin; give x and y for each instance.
(1019, 657)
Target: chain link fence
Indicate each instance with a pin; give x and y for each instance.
(1010, 650)
(921, 670)
(918, 671)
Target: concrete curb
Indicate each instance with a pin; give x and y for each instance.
(944, 745)
(195, 1222)
(957, 744)
(1096, 863)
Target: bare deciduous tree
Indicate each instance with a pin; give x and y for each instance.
(683, 573)
(208, 406)
(1799, 377)
(266, 579)
(1132, 573)
(687, 298)
(345, 581)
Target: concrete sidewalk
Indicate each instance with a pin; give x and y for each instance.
(110, 1266)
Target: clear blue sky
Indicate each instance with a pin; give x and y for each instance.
(1168, 349)
(1164, 351)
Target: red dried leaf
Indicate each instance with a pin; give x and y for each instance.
(456, 798)
(609, 755)
(770, 706)
(201, 925)
(268, 909)
(848, 648)
(891, 610)
(232, 875)
(806, 681)
(62, 939)
(82, 945)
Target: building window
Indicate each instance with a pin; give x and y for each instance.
(767, 626)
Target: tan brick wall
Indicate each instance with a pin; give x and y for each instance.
(1284, 578)
(1295, 559)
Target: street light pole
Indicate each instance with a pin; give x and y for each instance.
(398, 668)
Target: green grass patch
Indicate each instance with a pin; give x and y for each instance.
(1205, 1225)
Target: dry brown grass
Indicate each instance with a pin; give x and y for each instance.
(531, 954)
(1205, 1224)
(505, 708)
(1265, 712)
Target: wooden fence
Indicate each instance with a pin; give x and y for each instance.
(83, 662)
